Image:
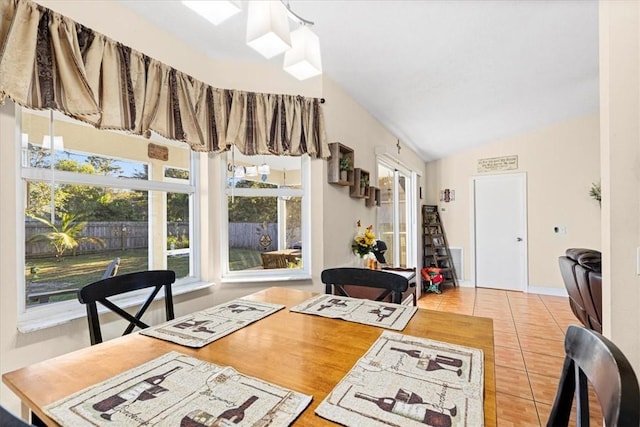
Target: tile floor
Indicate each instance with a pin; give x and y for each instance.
(529, 347)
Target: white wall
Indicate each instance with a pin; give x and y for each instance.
(349, 124)
(620, 135)
(561, 163)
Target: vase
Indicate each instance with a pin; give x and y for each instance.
(365, 261)
(343, 175)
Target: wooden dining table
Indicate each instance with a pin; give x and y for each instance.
(306, 353)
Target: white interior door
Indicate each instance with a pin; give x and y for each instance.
(500, 227)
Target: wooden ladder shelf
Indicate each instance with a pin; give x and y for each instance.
(436, 247)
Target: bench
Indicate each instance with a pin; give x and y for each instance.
(43, 296)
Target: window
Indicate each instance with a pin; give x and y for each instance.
(267, 217)
(92, 196)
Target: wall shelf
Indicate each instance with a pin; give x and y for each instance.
(360, 187)
(339, 152)
(374, 197)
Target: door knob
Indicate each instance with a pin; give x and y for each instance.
(519, 239)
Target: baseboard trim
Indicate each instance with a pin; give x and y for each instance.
(544, 290)
(540, 290)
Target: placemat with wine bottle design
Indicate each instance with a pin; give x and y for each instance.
(180, 390)
(410, 381)
(374, 313)
(203, 327)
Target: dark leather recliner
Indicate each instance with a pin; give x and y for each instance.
(582, 275)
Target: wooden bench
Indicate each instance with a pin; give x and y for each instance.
(42, 297)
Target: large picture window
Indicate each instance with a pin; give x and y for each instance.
(92, 197)
(267, 217)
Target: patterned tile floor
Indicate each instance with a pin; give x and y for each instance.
(529, 347)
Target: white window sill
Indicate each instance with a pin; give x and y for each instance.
(50, 315)
(244, 277)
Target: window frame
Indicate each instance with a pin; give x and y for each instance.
(48, 315)
(267, 275)
(409, 215)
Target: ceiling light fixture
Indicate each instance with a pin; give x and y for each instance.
(252, 171)
(58, 143)
(284, 186)
(216, 11)
(268, 27)
(268, 32)
(303, 61)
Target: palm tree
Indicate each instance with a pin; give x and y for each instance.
(67, 236)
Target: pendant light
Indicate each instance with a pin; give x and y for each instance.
(252, 171)
(263, 171)
(58, 143)
(268, 27)
(303, 59)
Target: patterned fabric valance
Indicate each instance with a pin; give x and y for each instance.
(48, 61)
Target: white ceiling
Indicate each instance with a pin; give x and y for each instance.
(440, 75)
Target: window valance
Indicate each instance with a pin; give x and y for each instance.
(48, 61)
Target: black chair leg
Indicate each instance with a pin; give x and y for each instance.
(36, 421)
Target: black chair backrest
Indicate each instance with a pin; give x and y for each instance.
(102, 289)
(7, 419)
(335, 280)
(592, 357)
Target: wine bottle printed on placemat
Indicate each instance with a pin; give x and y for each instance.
(179, 390)
(200, 418)
(431, 362)
(147, 389)
(410, 405)
(408, 381)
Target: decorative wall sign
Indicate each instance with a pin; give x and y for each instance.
(158, 152)
(498, 164)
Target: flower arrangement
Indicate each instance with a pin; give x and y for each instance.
(363, 243)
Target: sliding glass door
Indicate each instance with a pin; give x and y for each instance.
(396, 216)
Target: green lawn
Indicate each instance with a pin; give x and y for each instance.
(244, 259)
(74, 272)
(77, 271)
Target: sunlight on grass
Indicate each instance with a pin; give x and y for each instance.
(244, 259)
(76, 271)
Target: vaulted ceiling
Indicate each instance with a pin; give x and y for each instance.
(440, 75)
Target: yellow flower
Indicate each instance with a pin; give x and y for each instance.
(363, 242)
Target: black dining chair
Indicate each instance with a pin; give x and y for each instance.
(365, 283)
(593, 358)
(7, 419)
(98, 292)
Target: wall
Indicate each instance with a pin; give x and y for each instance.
(561, 163)
(362, 133)
(346, 121)
(620, 135)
